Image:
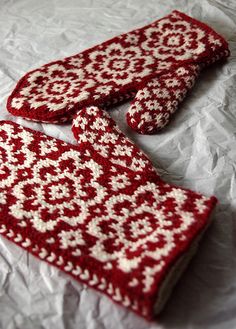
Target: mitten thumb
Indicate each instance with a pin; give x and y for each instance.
(155, 103)
(96, 131)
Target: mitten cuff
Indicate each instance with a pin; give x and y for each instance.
(118, 231)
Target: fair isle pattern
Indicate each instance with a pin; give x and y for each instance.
(115, 226)
(117, 69)
(154, 104)
(95, 128)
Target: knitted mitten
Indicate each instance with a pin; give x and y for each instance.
(158, 63)
(99, 211)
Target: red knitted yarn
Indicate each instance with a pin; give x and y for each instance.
(154, 104)
(97, 211)
(159, 62)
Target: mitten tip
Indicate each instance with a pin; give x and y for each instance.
(142, 127)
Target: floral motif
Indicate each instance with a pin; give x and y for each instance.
(115, 226)
(113, 71)
(119, 64)
(54, 186)
(169, 39)
(139, 236)
(55, 87)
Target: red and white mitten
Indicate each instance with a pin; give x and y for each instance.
(99, 211)
(158, 63)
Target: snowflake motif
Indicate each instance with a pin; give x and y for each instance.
(140, 227)
(143, 93)
(102, 90)
(59, 192)
(102, 149)
(135, 108)
(172, 82)
(90, 216)
(161, 92)
(107, 138)
(152, 104)
(76, 61)
(102, 202)
(90, 137)
(70, 238)
(181, 71)
(119, 182)
(122, 150)
(113, 71)
(132, 39)
(158, 120)
(47, 147)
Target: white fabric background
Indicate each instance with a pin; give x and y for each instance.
(196, 151)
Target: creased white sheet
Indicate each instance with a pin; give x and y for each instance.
(197, 151)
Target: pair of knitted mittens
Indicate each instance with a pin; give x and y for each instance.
(156, 65)
(99, 211)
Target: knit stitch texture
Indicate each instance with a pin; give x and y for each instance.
(156, 65)
(98, 211)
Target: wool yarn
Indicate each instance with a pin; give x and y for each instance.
(154, 65)
(98, 210)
